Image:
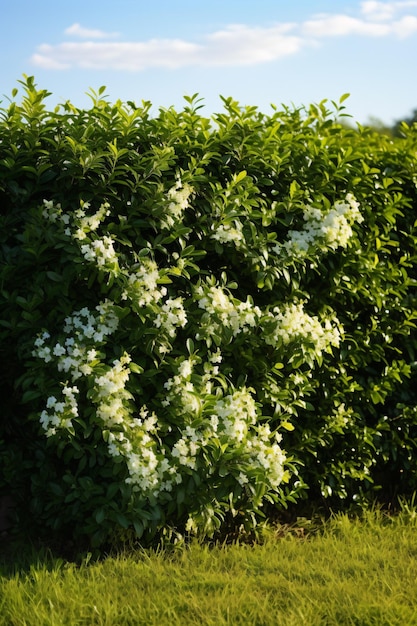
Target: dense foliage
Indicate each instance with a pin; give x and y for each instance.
(202, 320)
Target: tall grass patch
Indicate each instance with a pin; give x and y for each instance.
(348, 571)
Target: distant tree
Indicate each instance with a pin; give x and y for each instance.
(397, 127)
(376, 124)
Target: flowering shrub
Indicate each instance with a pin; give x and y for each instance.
(202, 319)
(323, 230)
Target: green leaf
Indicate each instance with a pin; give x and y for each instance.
(135, 368)
(294, 188)
(139, 528)
(240, 176)
(31, 394)
(54, 276)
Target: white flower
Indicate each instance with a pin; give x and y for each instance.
(178, 201)
(142, 287)
(236, 413)
(92, 222)
(44, 354)
(101, 252)
(51, 402)
(226, 233)
(185, 369)
(216, 357)
(172, 315)
(59, 350)
(329, 229)
(242, 479)
(79, 234)
(238, 316)
(292, 323)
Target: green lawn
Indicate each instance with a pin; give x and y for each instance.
(349, 572)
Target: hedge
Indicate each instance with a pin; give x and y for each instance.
(204, 320)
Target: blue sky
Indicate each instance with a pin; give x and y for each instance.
(263, 52)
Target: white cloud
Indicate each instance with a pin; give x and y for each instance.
(244, 45)
(88, 33)
(133, 56)
(46, 59)
(382, 11)
(378, 10)
(378, 20)
(342, 25)
(235, 45)
(405, 27)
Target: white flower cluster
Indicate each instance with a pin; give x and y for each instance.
(150, 472)
(226, 233)
(152, 467)
(142, 285)
(83, 328)
(203, 410)
(188, 400)
(236, 413)
(133, 439)
(222, 312)
(76, 356)
(186, 448)
(178, 200)
(54, 213)
(235, 419)
(90, 222)
(292, 323)
(59, 414)
(331, 229)
(270, 457)
(181, 390)
(151, 475)
(211, 369)
(111, 395)
(101, 252)
(171, 316)
(87, 325)
(108, 393)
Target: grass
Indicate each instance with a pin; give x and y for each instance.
(357, 572)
